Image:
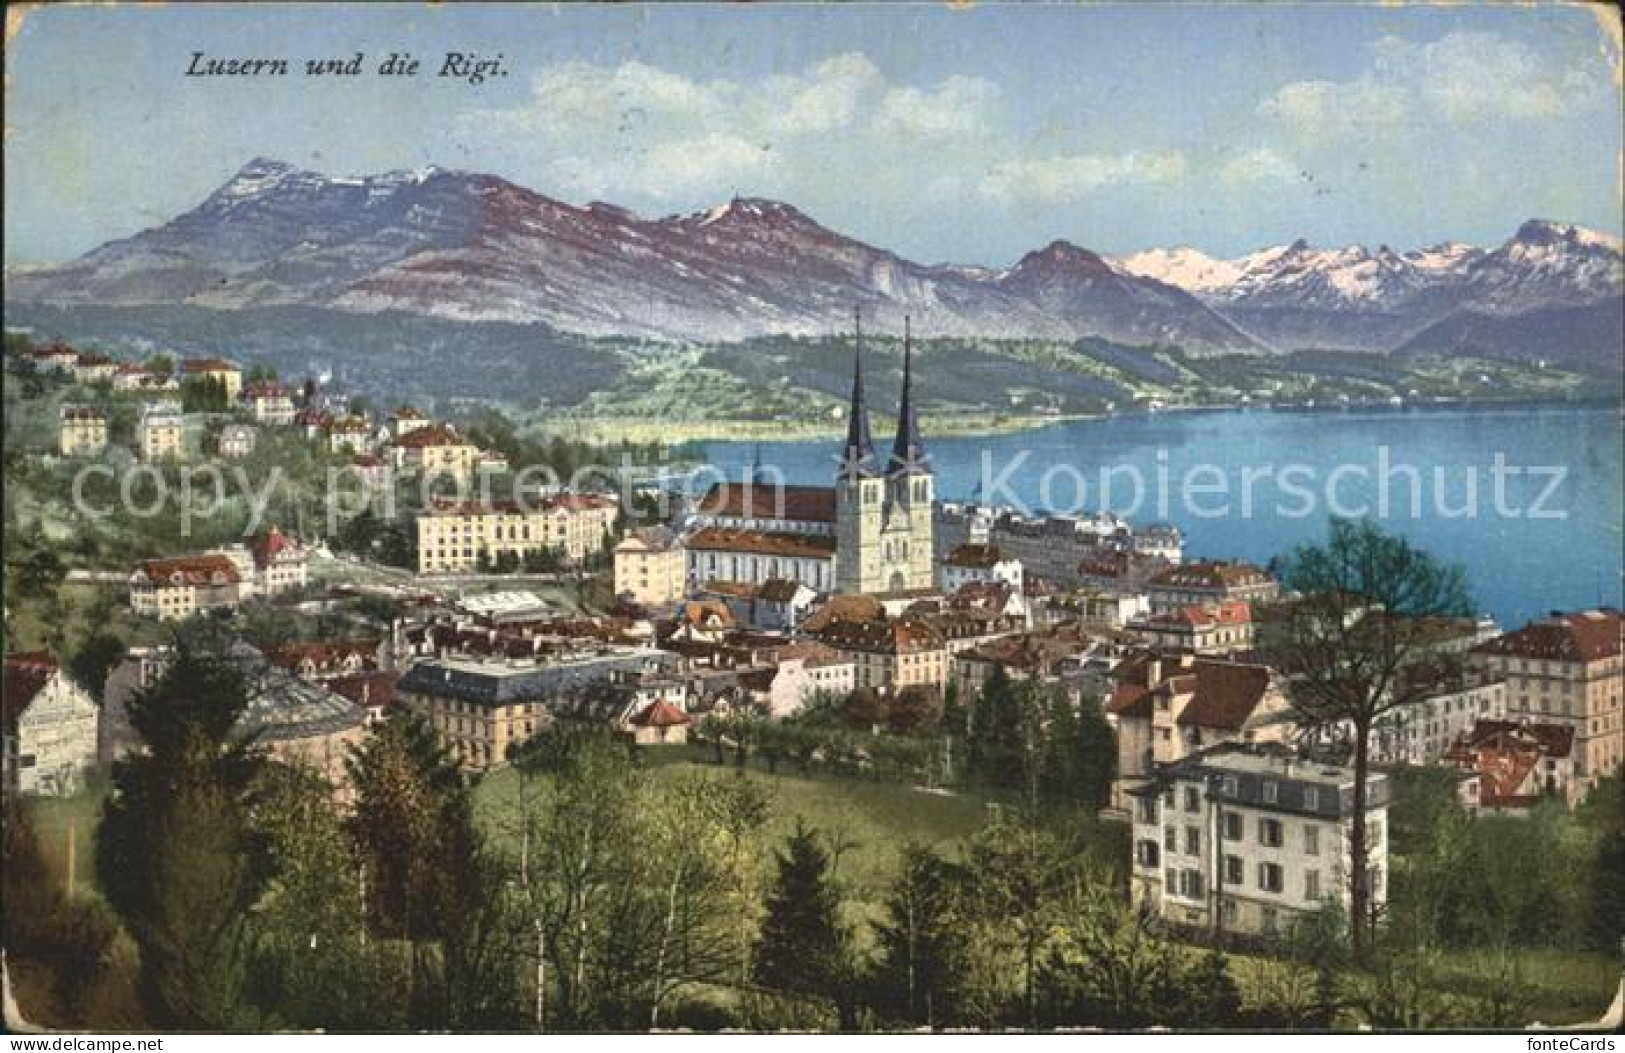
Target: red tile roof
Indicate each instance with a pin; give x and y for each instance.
(721, 539)
(192, 570)
(981, 557)
(1225, 694)
(270, 545)
(662, 715)
(1585, 636)
(808, 504)
(1210, 575)
(208, 365)
(430, 435)
(26, 672)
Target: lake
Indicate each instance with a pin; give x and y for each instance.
(1528, 498)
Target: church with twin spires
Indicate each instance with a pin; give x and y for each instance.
(883, 510)
(870, 533)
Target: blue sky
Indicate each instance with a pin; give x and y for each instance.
(948, 134)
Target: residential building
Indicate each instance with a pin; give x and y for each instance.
(280, 563)
(890, 653)
(160, 433)
(227, 374)
(454, 536)
(1055, 547)
(1566, 669)
(1166, 706)
(1422, 732)
(132, 377)
(435, 449)
(978, 564)
(1222, 628)
(1207, 583)
(1515, 764)
(268, 402)
(172, 589)
(50, 727)
(1248, 839)
(406, 419)
(90, 368)
(481, 707)
(650, 566)
(796, 673)
(55, 357)
(83, 431)
(237, 440)
(348, 433)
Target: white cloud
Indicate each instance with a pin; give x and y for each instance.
(1071, 178)
(1262, 165)
(1459, 79)
(633, 130)
(828, 97)
(956, 106)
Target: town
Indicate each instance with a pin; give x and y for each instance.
(1180, 723)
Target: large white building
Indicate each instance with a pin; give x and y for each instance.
(1249, 838)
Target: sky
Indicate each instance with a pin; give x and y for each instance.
(966, 134)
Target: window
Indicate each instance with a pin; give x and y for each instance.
(1168, 797)
(1269, 877)
(1270, 793)
(1311, 885)
(1193, 841)
(1268, 922)
(1234, 871)
(1170, 881)
(1148, 810)
(1190, 884)
(1193, 799)
(1311, 840)
(1311, 798)
(1147, 854)
(1233, 827)
(1170, 839)
(1269, 833)
(1230, 786)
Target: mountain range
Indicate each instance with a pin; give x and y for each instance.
(461, 246)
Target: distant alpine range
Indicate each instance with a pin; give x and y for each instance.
(463, 246)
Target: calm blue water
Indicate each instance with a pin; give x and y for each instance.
(1541, 540)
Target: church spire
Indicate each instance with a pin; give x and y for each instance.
(858, 456)
(908, 452)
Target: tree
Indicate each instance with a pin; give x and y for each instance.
(993, 748)
(1095, 756)
(804, 949)
(922, 940)
(311, 965)
(174, 847)
(95, 658)
(1346, 643)
(430, 881)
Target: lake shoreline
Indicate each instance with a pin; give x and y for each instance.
(610, 430)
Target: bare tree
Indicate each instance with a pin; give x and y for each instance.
(1369, 612)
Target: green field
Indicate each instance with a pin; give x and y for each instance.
(870, 822)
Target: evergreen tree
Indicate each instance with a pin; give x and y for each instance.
(922, 941)
(804, 949)
(1094, 756)
(174, 847)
